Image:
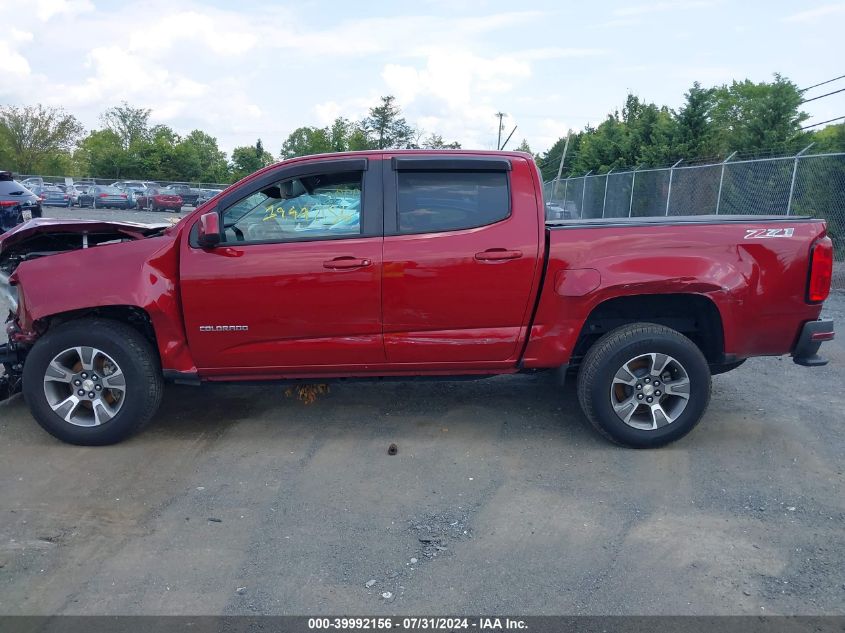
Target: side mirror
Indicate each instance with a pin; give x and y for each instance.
(208, 231)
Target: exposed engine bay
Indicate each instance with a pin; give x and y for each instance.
(46, 244)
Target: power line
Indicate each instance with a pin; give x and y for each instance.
(823, 122)
(821, 84)
(824, 95)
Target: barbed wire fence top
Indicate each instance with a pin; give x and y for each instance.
(802, 184)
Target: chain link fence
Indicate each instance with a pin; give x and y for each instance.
(804, 184)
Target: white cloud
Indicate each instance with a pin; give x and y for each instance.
(46, 9)
(12, 62)
(662, 7)
(17, 35)
(224, 37)
(813, 15)
(554, 52)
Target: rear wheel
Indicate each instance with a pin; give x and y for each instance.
(644, 385)
(92, 382)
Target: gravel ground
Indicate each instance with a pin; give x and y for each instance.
(500, 499)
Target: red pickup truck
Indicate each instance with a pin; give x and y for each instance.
(413, 263)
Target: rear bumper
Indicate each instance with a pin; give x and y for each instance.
(813, 334)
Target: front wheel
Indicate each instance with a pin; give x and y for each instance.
(92, 382)
(644, 385)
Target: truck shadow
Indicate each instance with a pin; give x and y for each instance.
(510, 406)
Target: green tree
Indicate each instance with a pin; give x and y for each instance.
(33, 134)
(304, 141)
(435, 141)
(198, 158)
(695, 127)
(339, 132)
(104, 154)
(359, 140)
(154, 156)
(524, 147)
(130, 124)
(386, 127)
(248, 159)
(754, 116)
(830, 138)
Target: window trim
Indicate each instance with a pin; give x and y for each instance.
(371, 199)
(452, 163)
(391, 187)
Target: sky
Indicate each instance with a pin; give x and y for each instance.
(259, 69)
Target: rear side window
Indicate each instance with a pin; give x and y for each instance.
(12, 188)
(433, 201)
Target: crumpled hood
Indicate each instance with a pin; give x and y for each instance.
(21, 232)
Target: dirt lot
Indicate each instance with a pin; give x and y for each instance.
(500, 500)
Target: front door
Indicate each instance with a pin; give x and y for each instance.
(296, 282)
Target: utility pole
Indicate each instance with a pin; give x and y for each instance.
(560, 167)
(501, 116)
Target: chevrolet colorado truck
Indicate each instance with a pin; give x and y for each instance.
(404, 264)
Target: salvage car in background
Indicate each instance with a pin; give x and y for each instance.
(100, 197)
(52, 196)
(17, 203)
(73, 192)
(160, 200)
(186, 192)
(207, 194)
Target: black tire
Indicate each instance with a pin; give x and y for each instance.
(611, 352)
(132, 353)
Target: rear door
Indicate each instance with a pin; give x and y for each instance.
(296, 284)
(461, 252)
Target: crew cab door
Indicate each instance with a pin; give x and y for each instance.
(296, 282)
(461, 256)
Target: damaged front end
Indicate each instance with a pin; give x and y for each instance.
(45, 237)
(11, 374)
(11, 353)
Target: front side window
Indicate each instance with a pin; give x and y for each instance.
(432, 201)
(307, 207)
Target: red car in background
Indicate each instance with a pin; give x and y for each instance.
(159, 200)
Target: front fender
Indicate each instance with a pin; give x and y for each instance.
(141, 274)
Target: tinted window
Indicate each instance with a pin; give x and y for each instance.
(309, 207)
(109, 190)
(450, 200)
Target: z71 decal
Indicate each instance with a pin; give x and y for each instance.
(761, 234)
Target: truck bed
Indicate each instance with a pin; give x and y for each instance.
(751, 269)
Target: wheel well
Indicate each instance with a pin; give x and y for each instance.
(131, 315)
(695, 316)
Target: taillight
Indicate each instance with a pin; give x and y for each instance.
(104, 195)
(821, 270)
(123, 195)
(8, 203)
